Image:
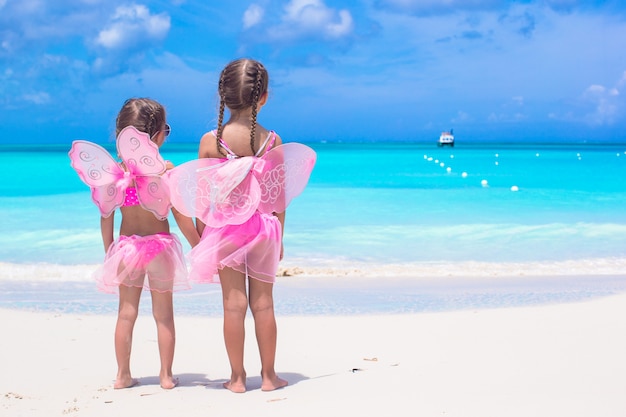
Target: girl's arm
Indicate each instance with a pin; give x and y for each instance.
(281, 219)
(200, 226)
(281, 216)
(186, 226)
(106, 228)
(207, 149)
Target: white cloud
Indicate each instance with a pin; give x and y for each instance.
(562, 4)
(131, 26)
(252, 16)
(311, 19)
(429, 7)
(594, 90)
(37, 98)
(461, 117)
(622, 81)
(314, 15)
(605, 102)
(446, 7)
(343, 27)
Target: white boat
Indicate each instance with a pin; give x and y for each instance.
(446, 139)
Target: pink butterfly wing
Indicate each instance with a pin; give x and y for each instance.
(153, 195)
(217, 192)
(94, 165)
(139, 153)
(108, 198)
(97, 168)
(285, 175)
(183, 185)
(146, 165)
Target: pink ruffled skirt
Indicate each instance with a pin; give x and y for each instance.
(154, 262)
(252, 248)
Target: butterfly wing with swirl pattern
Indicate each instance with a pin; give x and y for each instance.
(145, 164)
(217, 191)
(97, 168)
(285, 174)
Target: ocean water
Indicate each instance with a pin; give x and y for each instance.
(390, 203)
(375, 208)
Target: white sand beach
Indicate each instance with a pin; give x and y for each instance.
(561, 359)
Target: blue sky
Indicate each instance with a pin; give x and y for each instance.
(547, 70)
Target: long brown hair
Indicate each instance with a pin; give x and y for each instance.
(242, 83)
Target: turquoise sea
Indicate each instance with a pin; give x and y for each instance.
(375, 208)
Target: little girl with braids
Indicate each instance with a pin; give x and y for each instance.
(145, 255)
(238, 190)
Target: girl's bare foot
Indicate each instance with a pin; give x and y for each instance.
(273, 383)
(236, 384)
(121, 383)
(169, 382)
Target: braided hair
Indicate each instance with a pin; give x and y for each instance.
(242, 83)
(145, 114)
(220, 117)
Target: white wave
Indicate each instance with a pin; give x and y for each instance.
(326, 267)
(46, 272)
(466, 269)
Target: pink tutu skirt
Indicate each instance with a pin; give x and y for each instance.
(252, 248)
(154, 262)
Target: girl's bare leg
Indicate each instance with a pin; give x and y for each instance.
(126, 317)
(262, 307)
(235, 303)
(163, 312)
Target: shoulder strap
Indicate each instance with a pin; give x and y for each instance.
(267, 144)
(230, 153)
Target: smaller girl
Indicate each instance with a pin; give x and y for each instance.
(145, 247)
(239, 189)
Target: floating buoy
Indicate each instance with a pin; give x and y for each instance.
(449, 169)
(515, 188)
(497, 163)
(464, 175)
(484, 183)
(442, 165)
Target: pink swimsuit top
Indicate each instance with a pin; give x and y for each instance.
(266, 146)
(131, 197)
